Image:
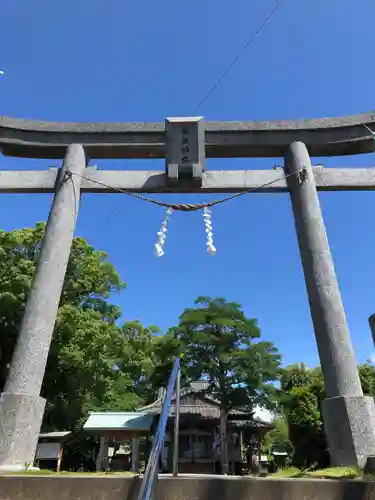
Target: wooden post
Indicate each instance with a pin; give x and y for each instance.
(224, 441)
(241, 453)
(102, 457)
(135, 454)
(59, 460)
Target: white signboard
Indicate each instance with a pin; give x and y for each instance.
(48, 451)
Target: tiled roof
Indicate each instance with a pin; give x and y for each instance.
(209, 407)
(248, 423)
(193, 388)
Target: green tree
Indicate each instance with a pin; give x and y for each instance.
(301, 396)
(367, 377)
(141, 356)
(165, 348)
(296, 375)
(221, 345)
(302, 392)
(92, 363)
(306, 428)
(83, 363)
(278, 436)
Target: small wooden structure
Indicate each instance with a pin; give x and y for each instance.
(116, 430)
(50, 449)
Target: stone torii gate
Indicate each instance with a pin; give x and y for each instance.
(185, 142)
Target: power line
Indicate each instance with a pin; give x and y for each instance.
(222, 76)
(249, 42)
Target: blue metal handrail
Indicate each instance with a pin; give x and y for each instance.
(151, 469)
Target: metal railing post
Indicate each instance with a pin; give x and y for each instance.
(177, 425)
(148, 481)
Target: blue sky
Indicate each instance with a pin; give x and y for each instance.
(138, 60)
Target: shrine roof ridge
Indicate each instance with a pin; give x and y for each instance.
(224, 139)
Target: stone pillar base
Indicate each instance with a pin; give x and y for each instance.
(21, 417)
(349, 424)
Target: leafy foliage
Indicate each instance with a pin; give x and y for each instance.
(92, 363)
(302, 391)
(367, 377)
(221, 346)
(278, 436)
(140, 357)
(297, 375)
(306, 428)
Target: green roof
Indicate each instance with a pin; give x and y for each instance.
(119, 421)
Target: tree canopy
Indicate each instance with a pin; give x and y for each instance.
(301, 395)
(222, 346)
(93, 364)
(278, 436)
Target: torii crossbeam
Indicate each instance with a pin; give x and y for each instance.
(323, 137)
(219, 181)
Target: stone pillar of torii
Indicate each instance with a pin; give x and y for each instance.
(348, 414)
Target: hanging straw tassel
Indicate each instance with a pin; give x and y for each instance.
(208, 224)
(162, 234)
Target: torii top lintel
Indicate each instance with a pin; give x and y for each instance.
(323, 136)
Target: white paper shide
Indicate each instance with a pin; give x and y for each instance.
(208, 224)
(162, 234)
